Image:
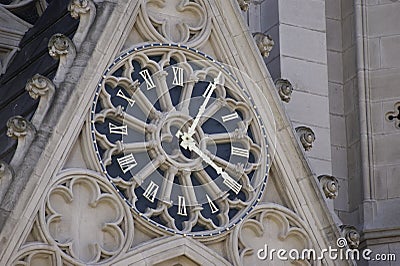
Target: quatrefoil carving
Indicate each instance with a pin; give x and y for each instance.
(394, 115)
(178, 21)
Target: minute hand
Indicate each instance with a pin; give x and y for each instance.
(207, 93)
(229, 181)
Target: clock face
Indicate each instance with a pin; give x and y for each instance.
(180, 139)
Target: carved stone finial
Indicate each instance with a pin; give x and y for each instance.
(244, 4)
(78, 7)
(39, 86)
(59, 45)
(351, 234)
(264, 43)
(330, 186)
(63, 49)
(18, 127)
(285, 89)
(394, 115)
(85, 11)
(307, 137)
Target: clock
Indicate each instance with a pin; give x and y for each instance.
(180, 139)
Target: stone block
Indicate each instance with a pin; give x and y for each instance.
(339, 161)
(386, 149)
(374, 54)
(355, 195)
(338, 135)
(333, 9)
(380, 183)
(305, 76)
(269, 14)
(308, 14)
(341, 202)
(383, 20)
(333, 35)
(274, 68)
(377, 117)
(335, 70)
(390, 51)
(319, 167)
(348, 32)
(349, 63)
(393, 182)
(322, 145)
(350, 97)
(303, 43)
(336, 102)
(309, 109)
(347, 7)
(385, 84)
(352, 127)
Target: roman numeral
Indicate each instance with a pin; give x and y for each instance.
(151, 191)
(229, 117)
(127, 162)
(114, 129)
(182, 206)
(178, 76)
(232, 184)
(240, 152)
(123, 96)
(147, 78)
(213, 208)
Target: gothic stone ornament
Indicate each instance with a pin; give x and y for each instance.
(351, 234)
(244, 4)
(99, 231)
(18, 127)
(180, 139)
(180, 21)
(264, 43)
(284, 88)
(307, 137)
(268, 226)
(394, 115)
(85, 11)
(330, 186)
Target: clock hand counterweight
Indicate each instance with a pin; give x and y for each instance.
(207, 95)
(188, 143)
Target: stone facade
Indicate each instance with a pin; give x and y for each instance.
(326, 73)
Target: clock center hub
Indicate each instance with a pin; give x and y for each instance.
(169, 141)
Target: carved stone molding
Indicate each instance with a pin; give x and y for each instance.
(84, 219)
(330, 185)
(306, 136)
(63, 49)
(18, 127)
(284, 88)
(40, 86)
(6, 176)
(264, 43)
(351, 234)
(394, 115)
(268, 226)
(85, 11)
(24, 131)
(244, 4)
(178, 21)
